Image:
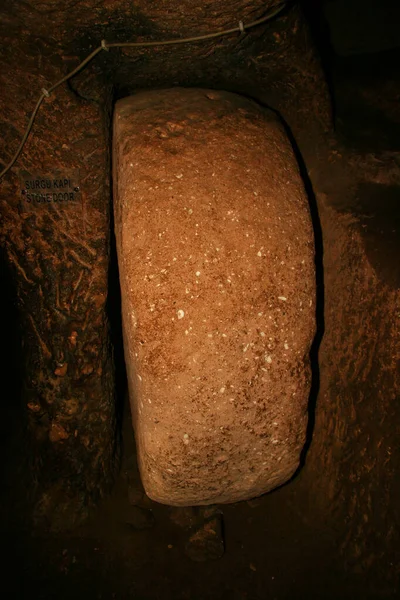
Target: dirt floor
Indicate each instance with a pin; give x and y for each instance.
(272, 547)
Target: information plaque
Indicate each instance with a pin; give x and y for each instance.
(52, 190)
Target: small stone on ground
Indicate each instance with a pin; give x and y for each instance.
(207, 542)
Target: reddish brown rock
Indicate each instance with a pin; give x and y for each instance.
(59, 258)
(216, 259)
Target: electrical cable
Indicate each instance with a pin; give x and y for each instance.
(242, 28)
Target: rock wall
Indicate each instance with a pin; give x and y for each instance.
(350, 473)
(59, 257)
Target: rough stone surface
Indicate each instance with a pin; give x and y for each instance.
(216, 258)
(354, 455)
(59, 259)
(207, 542)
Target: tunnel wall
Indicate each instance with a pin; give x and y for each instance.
(350, 471)
(59, 259)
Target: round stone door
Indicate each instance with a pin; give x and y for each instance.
(216, 259)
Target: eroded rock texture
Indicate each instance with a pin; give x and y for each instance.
(59, 257)
(351, 469)
(216, 258)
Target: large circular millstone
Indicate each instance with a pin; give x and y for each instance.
(216, 257)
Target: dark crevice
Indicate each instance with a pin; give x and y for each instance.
(320, 297)
(114, 311)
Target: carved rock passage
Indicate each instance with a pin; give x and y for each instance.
(216, 258)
